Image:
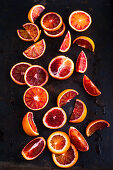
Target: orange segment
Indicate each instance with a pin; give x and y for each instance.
(66, 44)
(81, 63)
(23, 34)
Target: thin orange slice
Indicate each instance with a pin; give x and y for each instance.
(58, 142)
(23, 34)
(67, 159)
(81, 63)
(96, 125)
(85, 42)
(66, 44)
(36, 50)
(28, 125)
(65, 96)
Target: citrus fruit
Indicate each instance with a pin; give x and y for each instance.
(96, 125)
(85, 42)
(28, 125)
(58, 142)
(78, 140)
(67, 159)
(89, 87)
(66, 43)
(56, 33)
(81, 63)
(79, 112)
(36, 98)
(34, 148)
(23, 34)
(51, 21)
(65, 96)
(35, 12)
(17, 72)
(36, 50)
(36, 75)
(79, 20)
(55, 118)
(61, 67)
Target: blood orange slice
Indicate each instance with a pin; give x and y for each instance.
(28, 125)
(55, 118)
(67, 159)
(34, 148)
(61, 67)
(51, 21)
(96, 125)
(85, 42)
(35, 12)
(89, 87)
(66, 44)
(36, 50)
(81, 63)
(17, 72)
(79, 112)
(58, 142)
(23, 34)
(36, 75)
(79, 20)
(65, 96)
(36, 98)
(78, 140)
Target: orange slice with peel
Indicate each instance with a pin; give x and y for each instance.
(81, 63)
(66, 44)
(65, 96)
(96, 125)
(58, 142)
(79, 112)
(23, 34)
(67, 159)
(28, 125)
(85, 42)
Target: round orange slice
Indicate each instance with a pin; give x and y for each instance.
(28, 125)
(67, 159)
(36, 50)
(85, 42)
(66, 44)
(89, 87)
(81, 63)
(36, 98)
(96, 125)
(65, 96)
(51, 21)
(79, 112)
(58, 142)
(23, 34)
(79, 21)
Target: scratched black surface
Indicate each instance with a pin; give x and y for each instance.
(12, 109)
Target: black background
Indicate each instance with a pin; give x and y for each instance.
(13, 14)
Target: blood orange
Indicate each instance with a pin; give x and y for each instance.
(23, 34)
(81, 63)
(66, 44)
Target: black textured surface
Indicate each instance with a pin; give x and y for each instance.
(100, 64)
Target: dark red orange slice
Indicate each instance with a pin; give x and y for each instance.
(81, 63)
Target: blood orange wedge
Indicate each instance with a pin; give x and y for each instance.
(61, 67)
(28, 125)
(36, 75)
(51, 21)
(17, 72)
(66, 44)
(58, 142)
(67, 159)
(55, 118)
(89, 87)
(34, 148)
(79, 112)
(56, 33)
(96, 125)
(23, 34)
(36, 50)
(81, 63)
(36, 98)
(65, 96)
(79, 20)
(35, 12)
(85, 42)
(78, 140)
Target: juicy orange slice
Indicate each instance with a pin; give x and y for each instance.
(67, 159)
(28, 125)
(23, 34)
(66, 44)
(81, 63)
(65, 96)
(58, 142)
(85, 42)
(96, 125)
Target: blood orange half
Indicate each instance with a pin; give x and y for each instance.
(66, 44)
(81, 63)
